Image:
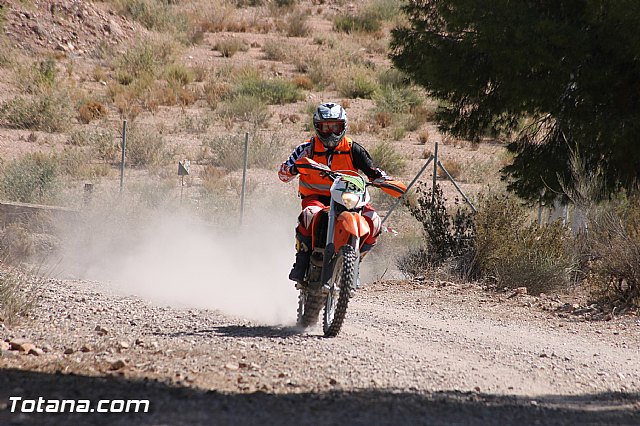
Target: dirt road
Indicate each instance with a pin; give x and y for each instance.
(410, 353)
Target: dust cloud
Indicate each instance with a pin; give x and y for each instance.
(182, 261)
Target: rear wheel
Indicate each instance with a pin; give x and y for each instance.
(342, 280)
(309, 305)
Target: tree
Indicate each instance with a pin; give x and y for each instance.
(560, 75)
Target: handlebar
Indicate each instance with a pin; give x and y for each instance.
(392, 187)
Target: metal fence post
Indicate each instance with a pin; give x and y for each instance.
(244, 174)
(435, 173)
(124, 150)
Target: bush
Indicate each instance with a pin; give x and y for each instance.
(386, 10)
(16, 244)
(146, 147)
(276, 50)
(30, 179)
(144, 59)
(423, 137)
(397, 100)
(274, 91)
(49, 111)
(244, 108)
(367, 21)
(453, 167)
(154, 15)
(357, 84)
(265, 150)
(230, 46)
(303, 82)
(90, 111)
(612, 246)
(19, 293)
(513, 252)
(448, 237)
(386, 157)
(297, 25)
(178, 75)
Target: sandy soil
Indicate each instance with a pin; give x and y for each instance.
(418, 352)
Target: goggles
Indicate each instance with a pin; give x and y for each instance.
(328, 127)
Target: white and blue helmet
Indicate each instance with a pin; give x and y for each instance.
(330, 123)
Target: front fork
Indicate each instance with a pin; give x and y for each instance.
(328, 261)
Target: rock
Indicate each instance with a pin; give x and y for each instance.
(86, 348)
(4, 346)
(36, 352)
(333, 381)
(231, 366)
(101, 330)
(518, 292)
(117, 364)
(22, 345)
(68, 351)
(114, 28)
(123, 345)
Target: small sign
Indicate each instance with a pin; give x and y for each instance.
(183, 167)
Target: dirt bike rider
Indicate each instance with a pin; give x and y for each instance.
(332, 147)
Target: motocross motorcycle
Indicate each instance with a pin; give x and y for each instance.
(338, 232)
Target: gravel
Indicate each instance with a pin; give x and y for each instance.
(419, 352)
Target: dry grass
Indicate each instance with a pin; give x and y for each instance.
(230, 46)
(453, 167)
(90, 111)
(19, 293)
(423, 136)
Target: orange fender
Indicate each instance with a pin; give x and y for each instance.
(349, 224)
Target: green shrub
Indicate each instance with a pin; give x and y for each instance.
(367, 21)
(357, 84)
(397, 100)
(75, 163)
(297, 24)
(393, 77)
(251, 3)
(386, 10)
(276, 50)
(50, 111)
(449, 237)
(244, 108)
(386, 157)
(230, 46)
(514, 252)
(32, 178)
(45, 72)
(612, 251)
(286, 3)
(153, 14)
(144, 59)
(146, 147)
(178, 74)
(273, 91)
(227, 151)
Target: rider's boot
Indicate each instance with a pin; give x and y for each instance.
(303, 255)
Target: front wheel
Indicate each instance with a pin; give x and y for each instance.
(342, 281)
(309, 305)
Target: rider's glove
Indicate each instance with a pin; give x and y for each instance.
(293, 169)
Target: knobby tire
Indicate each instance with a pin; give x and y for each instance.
(346, 261)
